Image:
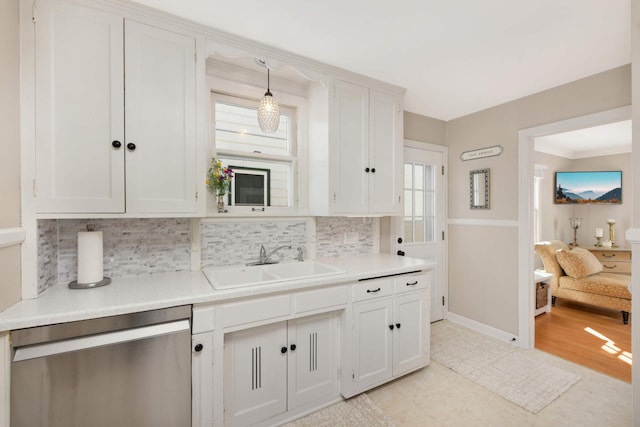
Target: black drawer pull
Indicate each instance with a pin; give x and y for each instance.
(412, 284)
(373, 291)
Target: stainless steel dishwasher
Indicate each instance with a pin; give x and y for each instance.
(129, 370)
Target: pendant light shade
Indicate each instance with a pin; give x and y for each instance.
(268, 111)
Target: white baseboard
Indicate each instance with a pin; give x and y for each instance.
(482, 328)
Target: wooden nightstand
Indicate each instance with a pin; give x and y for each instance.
(614, 260)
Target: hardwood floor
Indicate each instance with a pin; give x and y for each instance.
(590, 336)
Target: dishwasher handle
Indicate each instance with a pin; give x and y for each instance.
(109, 338)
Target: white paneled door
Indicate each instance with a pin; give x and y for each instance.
(420, 233)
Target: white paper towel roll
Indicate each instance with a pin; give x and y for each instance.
(90, 264)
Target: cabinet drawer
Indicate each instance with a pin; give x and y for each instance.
(608, 255)
(320, 298)
(244, 312)
(411, 282)
(370, 289)
(612, 266)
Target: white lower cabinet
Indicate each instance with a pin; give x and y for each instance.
(390, 331)
(275, 368)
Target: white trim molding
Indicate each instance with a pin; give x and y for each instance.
(483, 222)
(482, 328)
(11, 236)
(5, 383)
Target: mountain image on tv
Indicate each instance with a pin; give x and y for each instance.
(578, 187)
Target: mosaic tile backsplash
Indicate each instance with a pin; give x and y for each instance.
(131, 247)
(330, 232)
(227, 243)
(134, 247)
(47, 254)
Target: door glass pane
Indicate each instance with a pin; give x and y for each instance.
(418, 182)
(408, 203)
(408, 175)
(429, 178)
(419, 232)
(408, 230)
(419, 203)
(429, 229)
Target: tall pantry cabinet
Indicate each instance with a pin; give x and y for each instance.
(115, 113)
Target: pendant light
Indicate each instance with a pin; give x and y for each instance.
(268, 111)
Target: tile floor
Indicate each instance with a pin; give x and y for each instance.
(437, 396)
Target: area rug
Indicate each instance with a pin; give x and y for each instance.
(499, 367)
(359, 411)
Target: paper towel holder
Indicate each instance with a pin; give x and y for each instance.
(105, 280)
(75, 285)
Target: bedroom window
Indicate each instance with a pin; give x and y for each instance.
(265, 165)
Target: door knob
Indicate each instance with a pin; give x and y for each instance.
(198, 347)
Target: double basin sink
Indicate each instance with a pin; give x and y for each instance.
(236, 277)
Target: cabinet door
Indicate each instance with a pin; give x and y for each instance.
(312, 359)
(161, 120)
(79, 109)
(410, 336)
(349, 148)
(372, 342)
(202, 379)
(255, 377)
(385, 154)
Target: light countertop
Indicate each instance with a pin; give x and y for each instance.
(127, 295)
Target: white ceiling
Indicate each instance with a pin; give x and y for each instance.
(454, 57)
(612, 138)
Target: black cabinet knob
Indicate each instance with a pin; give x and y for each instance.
(131, 146)
(401, 253)
(399, 239)
(373, 170)
(283, 350)
(391, 327)
(116, 144)
(398, 325)
(366, 169)
(198, 347)
(293, 347)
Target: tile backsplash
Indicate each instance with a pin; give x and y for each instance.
(339, 236)
(131, 247)
(134, 247)
(229, 243)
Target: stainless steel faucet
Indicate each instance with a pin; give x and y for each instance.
(265, 258)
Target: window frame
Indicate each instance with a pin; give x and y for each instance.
(243, 95)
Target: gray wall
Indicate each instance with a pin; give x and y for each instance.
(485, 241)
(10, 149)
(424, 129)
(555, 218)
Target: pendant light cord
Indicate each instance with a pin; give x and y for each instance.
(268, 93)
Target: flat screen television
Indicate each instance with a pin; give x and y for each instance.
(588, 187)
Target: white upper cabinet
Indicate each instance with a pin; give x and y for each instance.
(89, 129)
(79, 110)
(356, 165)
(160, 70)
